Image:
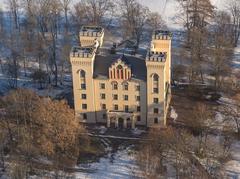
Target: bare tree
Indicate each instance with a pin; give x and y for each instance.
(53, 26)
(65, 6)
(155, 21)
(1, 25)
(221, 51)
(14, 8)
(234, 8)
(195, 13)
(64, 59)
(232, 115)
(134, 17)
(95, 10)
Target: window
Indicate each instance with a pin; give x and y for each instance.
(155, 100)
(155, 78)
(104, 116)
(102, 86)
(116, 107)
(103, 106)
(155, 111)
(84, 106)
(103, 96)
(84, 96)
(83, 86)
(126, 108)
(155, 83)
(82, 74)
(125, 87)
(119, 72)
(137, 87)
(115, 86)
(82, 79)
(125, 97)
(115, 97)
(138, 118)
(156, 120)
(138, 108)
(155, 90)
(84, 116)
(137, 98)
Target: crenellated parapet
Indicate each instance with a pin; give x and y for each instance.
(91, 31)
(90, 35)
(82, 52)
(161, 35)
(156, 56)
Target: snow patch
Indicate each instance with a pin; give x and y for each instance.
(137, 131)
(174, 114)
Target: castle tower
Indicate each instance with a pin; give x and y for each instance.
(91, 35)
(158, 62)
(82, 60)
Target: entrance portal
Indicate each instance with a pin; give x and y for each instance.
(121, 123)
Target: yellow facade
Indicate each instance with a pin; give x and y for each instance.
(123, 96)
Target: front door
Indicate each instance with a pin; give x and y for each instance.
(120, 123)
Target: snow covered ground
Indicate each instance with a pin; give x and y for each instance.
(236, 59)
(233, 166)
(119, 165)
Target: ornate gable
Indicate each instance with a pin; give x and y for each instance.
(120, 69)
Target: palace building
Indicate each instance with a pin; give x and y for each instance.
(121, 89)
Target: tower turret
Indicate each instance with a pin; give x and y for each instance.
(88, 36)
(82, 60)
(158, 62)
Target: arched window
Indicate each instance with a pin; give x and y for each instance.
(120, 72)
(82, 74)
(155, 83)
(82, 79)
(155, 78)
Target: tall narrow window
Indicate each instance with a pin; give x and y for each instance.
(115, 107)
(114, 85)
(120, 71)
(82, 79)
(125, 86)
(126, 108)
(103, 106)
(84, 116)
(155, 83)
